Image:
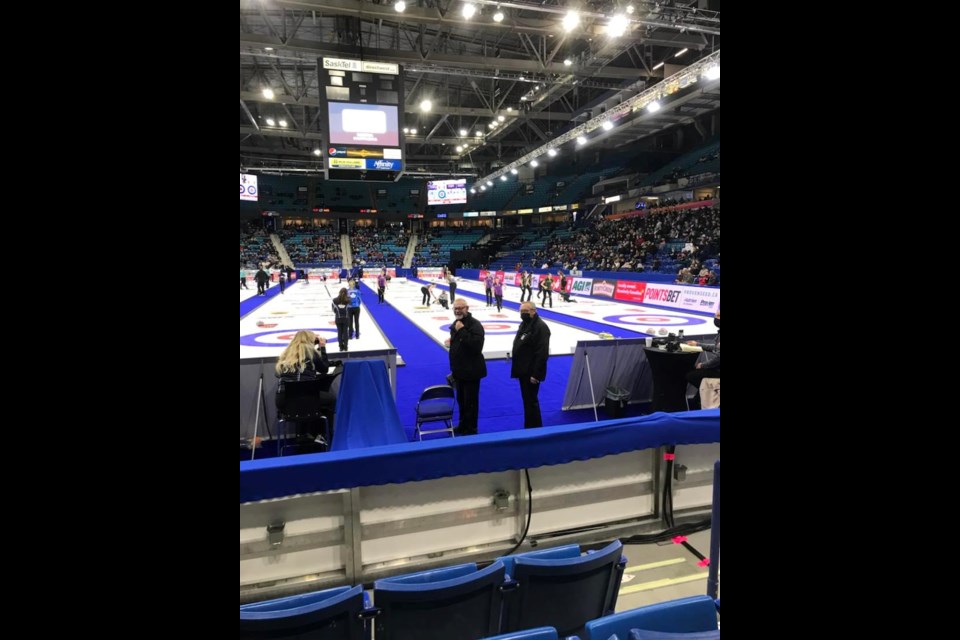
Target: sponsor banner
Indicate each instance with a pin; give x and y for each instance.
(373, 274)
(630, 290)
(380, 67)
(350, 152)
(341, 65)
(604, 288)
(428, 273)
(384, 165)
(345, 163)
(683, 297)
(392, 154)
(581, 286)
(497, 275)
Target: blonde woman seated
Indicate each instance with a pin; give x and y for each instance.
(305, 358)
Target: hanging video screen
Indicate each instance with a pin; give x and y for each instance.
(375, 124)
(447, 192)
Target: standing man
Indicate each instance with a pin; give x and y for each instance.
(283, 280)
(381, 285)
(453, 285)
(467, 364)
(488, 284)
(531, 346)
(341, 315)
(243, 279)
(354, 294)
(261, 277)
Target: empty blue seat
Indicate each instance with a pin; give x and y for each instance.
(685, 615)
(453, 602)
(561, 588)
(436, 405)
(332, 614)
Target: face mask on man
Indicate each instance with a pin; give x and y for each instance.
(526, 317)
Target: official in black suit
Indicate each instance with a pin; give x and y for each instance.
(711, 368)
(531, 347)
(467, 364)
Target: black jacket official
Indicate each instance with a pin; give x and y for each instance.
(531, 346)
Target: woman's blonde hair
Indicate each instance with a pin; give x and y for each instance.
(300, 351)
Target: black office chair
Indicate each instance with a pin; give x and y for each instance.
(435, 405)
(298, 401)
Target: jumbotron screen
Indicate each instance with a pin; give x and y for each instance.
(364, 124)
(447, 192)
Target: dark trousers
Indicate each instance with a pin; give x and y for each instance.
(528, 291)
(243, 283)
(468, 397)
(499, 300)
(282, 286)
(380, 291)
(355, 319)
(531, 403)
(696, 376)
(453, 292)
(343, 333)
(426, 299)
(489, 297)
(328, 404)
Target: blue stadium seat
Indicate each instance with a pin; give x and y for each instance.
(440, 604)
(332, 614)
(686, 615)
(561, 588)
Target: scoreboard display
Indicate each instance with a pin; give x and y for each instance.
(361, 106)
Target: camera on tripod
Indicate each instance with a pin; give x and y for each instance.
(673, 342)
